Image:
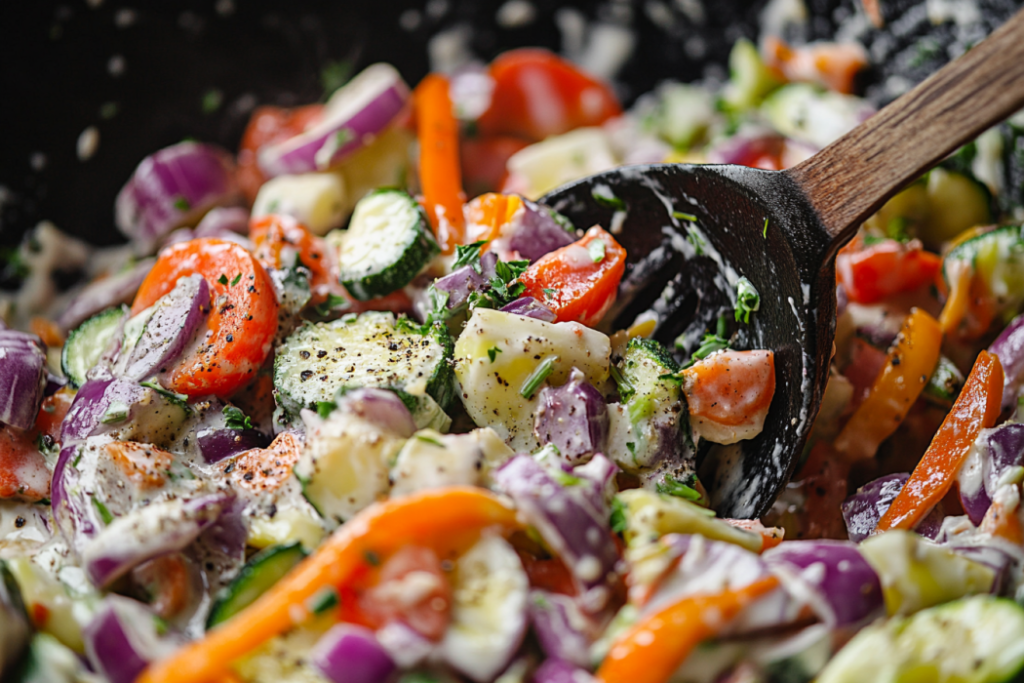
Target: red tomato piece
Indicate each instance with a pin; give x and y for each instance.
(579, 282)
(242, 320)
(23, 471)
(874, 272)
(413, 589)
(266, 126)
(484, 160)
(538, 94)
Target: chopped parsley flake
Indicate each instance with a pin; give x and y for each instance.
(679, 215)
(468, 255)
(747, 300)
(596, 249)
(181, 204)
(235, 280)
(537, 377)
(493, 352)
(234, 418)
(618, 518)
(223, 279)
(604, 198)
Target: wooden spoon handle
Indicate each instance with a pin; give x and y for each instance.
(850, 179)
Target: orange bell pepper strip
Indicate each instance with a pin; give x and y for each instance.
(889, 267)
(242, 324)
(579, 282)
(487, 214)
(975, 409)
(652, 650)
(1003, 523)
(426, 519)
(908, 365)
(440, 174)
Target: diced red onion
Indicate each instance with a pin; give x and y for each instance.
(381, 407)
(1009, 347)
(22, 378)
(172, 188)
(72, 524)
(122, 639)
(862, 510)
(223, 220)
(406, 646)
(355, 114)
(563, 631)
(560, 671)
(465, 280)
(569, 525)
(176, 317)
(119, 288)
(148, 532)
(538, 233)
(531, 308)
(846, 586)
(572, 417)
(217, 444)
(94, 398)
(348, 653)
(994, 452)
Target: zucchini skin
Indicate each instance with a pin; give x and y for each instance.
(86, 343)
(418, 248)
(262, 571)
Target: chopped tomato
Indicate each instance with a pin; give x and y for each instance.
(538, 94)
(833, 65)
(729, 393)
(52, 412)
(280, 239)
(242, 320)
(579, 282)
(484, 161)
(414, 590)
(550, 574)
(871, 273)
(266, 126)
(23, 471)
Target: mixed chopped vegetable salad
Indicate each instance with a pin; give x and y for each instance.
(348, 408)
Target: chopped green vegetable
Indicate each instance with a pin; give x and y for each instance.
(105, 514)
(596, 249)
(223, 279)
(234, 280)
(673, 487)
(626, 390)
(117, 411)
(323, 600)
(765, 233)
(212, 99)
(493, 352)
(537, 377)
(335, 74)
(468, 255)
(679, 215)
(603, 197)
(234, 418)
(747, 300)
(181, 204)
(325, 408)
(332, 303)
(429, 439)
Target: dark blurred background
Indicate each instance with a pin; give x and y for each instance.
(121, 79)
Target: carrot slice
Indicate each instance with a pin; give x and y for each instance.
(652, 650)
(440, 174)
(975, 409)
(425, 519)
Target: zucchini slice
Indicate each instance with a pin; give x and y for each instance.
(974, 640)
(998, 260)
(387, 244)
(262, 571)
(87, 342)
(372, 350)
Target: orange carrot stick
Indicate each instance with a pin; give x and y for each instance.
(653, 648)
(975, 409)
(428, 518)
(440, 175)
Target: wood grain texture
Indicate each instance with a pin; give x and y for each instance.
(851, 178)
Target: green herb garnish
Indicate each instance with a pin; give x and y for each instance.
(747, 300)
(236, 279)
(537, 377)
(684, 216)
(181, 204)
(493, 352)
(618, 518)
(105, 513)
(596, 250)
(468, 255)
(223, 279)
(673, 487)
(603, 197)
(429, 439)
(234, 418)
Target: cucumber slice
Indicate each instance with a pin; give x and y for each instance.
(387, 244)
(998, 260)
(750, 80)
(945, 383)
(974, 640)
(262, 571)
(87, 342)
(373, 350)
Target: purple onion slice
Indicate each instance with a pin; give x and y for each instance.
(540, 231)
(531, 308)
(122, 639)
(573, 418)
(22, 378)
(176, 317)
(351, 654)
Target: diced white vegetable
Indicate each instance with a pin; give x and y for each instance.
(431, 460)
(491, 389)
(543, 166)
(650, 515)
(317, 200)
(488, 610)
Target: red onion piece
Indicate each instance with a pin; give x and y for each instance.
(122, 639)
(531, 308)
(538, 232)
(563, 631)
(862, 510)
(995, 451)
(573, 418)
(22, 378)
(100, 295)
(172, 188)
(560, 671)
(848, 588)
(351, 654)
(355, 114)
(465, 280)
(1009, 346)
(94, 398)
(406, 646)
(567, 521)
(223, 220)
(381, 407)
(177, 315)
(148, 532)
(217, 444)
